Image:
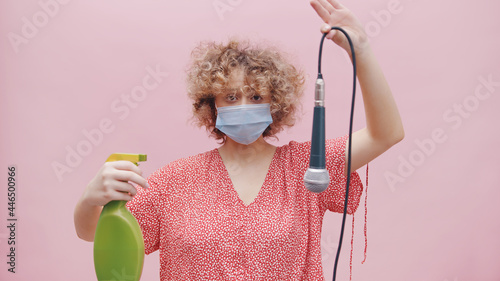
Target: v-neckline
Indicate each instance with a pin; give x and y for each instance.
(232, 190)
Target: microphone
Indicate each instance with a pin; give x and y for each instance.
(316, 178)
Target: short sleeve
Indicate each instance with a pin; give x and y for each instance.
(334, 197)
(144, 207)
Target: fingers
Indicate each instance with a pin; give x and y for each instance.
(328, 29)
(115, 181)
(125, 187)
(327, 6)
(331, 34)
(325, 10)
(117, 185)
(335, 4)
(130, 176)
(127, 171)
(117, 195)
(125, 165)
(320, 10)
(325, 28)
(125, 176)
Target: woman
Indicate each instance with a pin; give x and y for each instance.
(241, 211)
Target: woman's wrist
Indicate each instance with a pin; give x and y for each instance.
(363, 53)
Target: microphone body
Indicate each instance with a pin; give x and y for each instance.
(316, 178)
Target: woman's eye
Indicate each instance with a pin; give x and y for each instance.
(231, 97)
(256, 98)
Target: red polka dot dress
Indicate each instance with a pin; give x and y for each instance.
(204, 231)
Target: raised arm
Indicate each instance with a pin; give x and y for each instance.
(383, 123)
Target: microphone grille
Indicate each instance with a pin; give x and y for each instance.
(316, 180)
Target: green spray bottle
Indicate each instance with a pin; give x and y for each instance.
(118, 241)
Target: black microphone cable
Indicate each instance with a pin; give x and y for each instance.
(350, 135)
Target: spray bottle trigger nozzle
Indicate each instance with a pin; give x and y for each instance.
(134, 158)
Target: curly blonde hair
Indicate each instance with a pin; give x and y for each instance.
(266, 72)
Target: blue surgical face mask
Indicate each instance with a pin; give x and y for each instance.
(244, 123)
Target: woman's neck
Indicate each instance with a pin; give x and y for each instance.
(254, 152)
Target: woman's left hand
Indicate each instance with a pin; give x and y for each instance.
(335, 14)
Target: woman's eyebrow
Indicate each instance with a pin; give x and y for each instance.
(233, 90)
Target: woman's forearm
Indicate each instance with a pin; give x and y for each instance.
(86, 217)
(384, 127)
(383, 122)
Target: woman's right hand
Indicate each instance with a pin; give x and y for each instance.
(114, 182)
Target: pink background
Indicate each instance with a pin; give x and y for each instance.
(433, 208)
